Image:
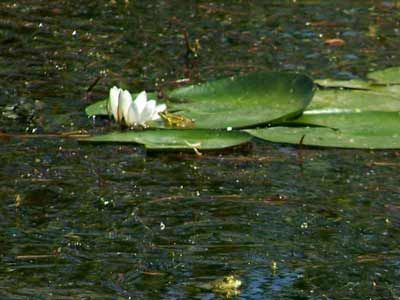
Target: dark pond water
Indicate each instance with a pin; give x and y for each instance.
(114, 222)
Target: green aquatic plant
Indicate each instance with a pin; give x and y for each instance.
(271, 106)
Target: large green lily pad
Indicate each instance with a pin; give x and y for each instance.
(177, 139)
(349, 100)
(389, 76)
(357, 84)
(244, 101)
(366, 130)
(381, 92)
(386, 76)
(349, 114)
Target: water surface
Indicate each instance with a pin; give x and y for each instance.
(114, 222)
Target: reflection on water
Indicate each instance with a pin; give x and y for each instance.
(112, 222)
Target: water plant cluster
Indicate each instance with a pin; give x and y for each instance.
(276, 107)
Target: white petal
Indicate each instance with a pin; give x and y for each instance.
(124, 102)
(148, 111)
(159, 108)
(140, 102)
(113, 102)
(131, 117)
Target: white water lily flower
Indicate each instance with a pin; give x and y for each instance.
(133, 113)
(142, 111)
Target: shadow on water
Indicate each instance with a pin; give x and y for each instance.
(114, 222)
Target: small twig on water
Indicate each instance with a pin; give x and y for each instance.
(73, 135)
(153, 273)
(194, 147)
(94, 83)
(300, 158)
(191, 55)
(88, 93)
(29, 257)
(386, 164)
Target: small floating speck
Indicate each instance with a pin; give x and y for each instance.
(162, 226)
(304, 225)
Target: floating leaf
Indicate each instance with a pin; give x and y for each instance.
(339, 100)
(244, 101)
(367, 130)
(355, 114)
(97, 109)
(387, 76)
(365, 121)
(345, 84)
(177, 139)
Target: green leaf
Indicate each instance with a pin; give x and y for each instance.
(243, 101)
(347, 84)
(177, 139)
(387, 76)
(97, 109)
(382, 77)
(366, 130)
(363, 122)
(353, 114)
(379, 94)
(338, 100)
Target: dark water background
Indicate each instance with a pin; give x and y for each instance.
(112, 222)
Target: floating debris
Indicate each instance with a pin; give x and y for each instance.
(229, 286)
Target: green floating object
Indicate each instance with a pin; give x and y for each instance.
(347, 114)
(243, 101)
(356, 84)
(237, 102)
(338, 100)
(366, 130)
(176, 139)
(97, 109)
(380, 94)
(387, 76)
